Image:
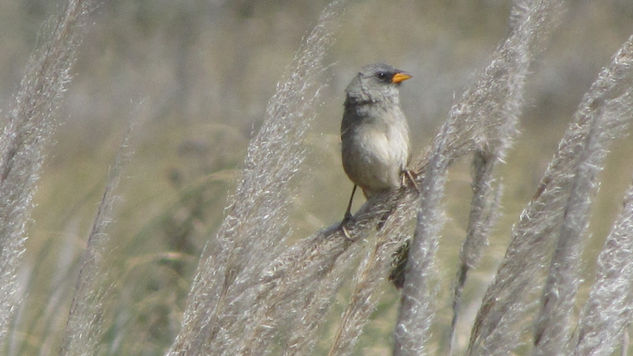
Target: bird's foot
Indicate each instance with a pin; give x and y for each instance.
(346, 233)
(347, 218)
(410, 176)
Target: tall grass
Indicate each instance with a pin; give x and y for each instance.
(85, 324)
(531, 24)
(501, 88)
(608, 119)
(225, 297)
(607, 312)
(25, 136)
(501, 319)
(297, 288)
(257, 291)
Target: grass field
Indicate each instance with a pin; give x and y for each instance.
(196, 77)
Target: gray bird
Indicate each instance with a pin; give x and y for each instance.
(374, 132)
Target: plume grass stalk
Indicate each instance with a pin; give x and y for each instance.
(303, 336)
(373, 270)
(26, 133)
(609, 308)
(553, 325)
(84, 326)
(500, 320)
(416, 311)
(484, 213)
(226, 287)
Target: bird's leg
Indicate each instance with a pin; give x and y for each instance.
(408, 174)
(348, 214)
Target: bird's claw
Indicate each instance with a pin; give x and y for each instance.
(407, 174)
(346, 233)
(346, 219)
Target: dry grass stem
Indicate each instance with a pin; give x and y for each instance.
(26, 133)
(84, 325)
(484, 213)
(370, 275)
(504, 102)
(312, 310)
(227, 290)
(500, 320)
(416, 307)
(257, 289)
(608, 310)
(554, 322)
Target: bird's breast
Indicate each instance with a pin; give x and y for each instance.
(375, 149)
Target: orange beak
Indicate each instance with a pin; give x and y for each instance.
(400, 77)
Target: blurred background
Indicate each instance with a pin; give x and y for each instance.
(199, 74)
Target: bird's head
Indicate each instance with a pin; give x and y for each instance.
(375, 83)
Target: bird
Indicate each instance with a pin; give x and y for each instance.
(375, 133)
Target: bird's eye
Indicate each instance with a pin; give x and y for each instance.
(381, 75)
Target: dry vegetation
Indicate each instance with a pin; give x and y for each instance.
(152, 256)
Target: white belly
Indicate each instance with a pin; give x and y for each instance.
(374, 155)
